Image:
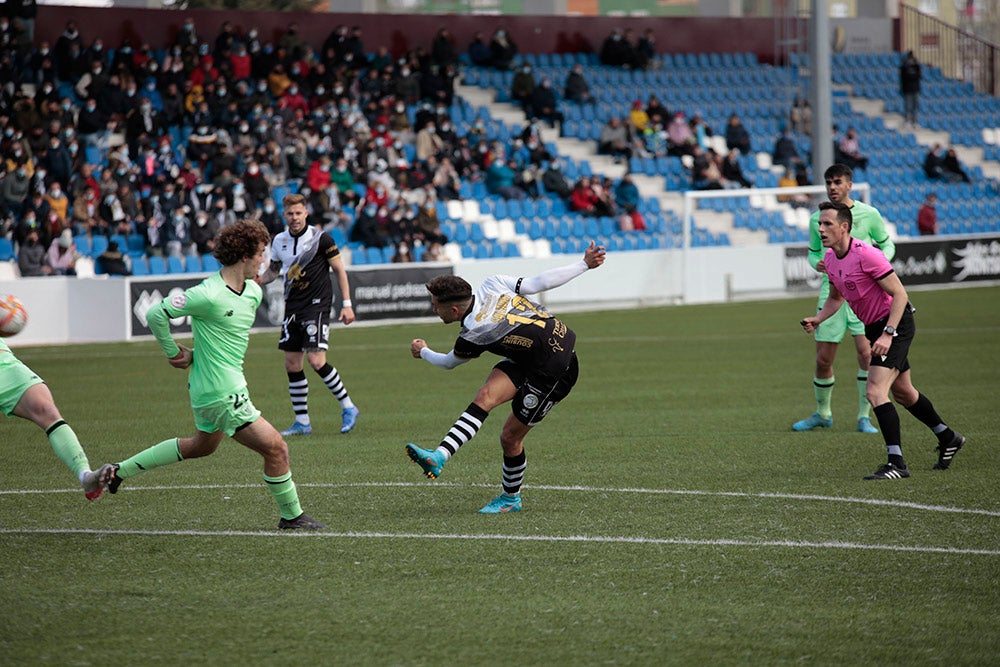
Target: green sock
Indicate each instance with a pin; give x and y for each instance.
(160, 454)
(864, 407)
(824, 394)
(283, 490)
(67, 447)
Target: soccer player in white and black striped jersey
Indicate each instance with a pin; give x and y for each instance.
(539, 367)
(304, 256)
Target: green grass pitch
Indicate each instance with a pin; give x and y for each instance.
(672, 517)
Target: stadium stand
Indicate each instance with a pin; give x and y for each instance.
(204, 151)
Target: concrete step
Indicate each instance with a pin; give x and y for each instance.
(970, 155)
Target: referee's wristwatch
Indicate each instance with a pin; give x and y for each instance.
(890, 330)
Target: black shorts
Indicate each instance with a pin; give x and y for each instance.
(900, 347)
(301, 332)
(537, 393)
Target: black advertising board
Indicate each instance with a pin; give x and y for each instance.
(386, 293)
(938, 260)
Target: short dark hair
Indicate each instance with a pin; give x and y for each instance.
(292, 200)
(240, 240)
(449, 289)
(838, 169)
(843, 212)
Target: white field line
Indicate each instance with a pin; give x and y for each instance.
(526, 538)
(545, 487)
(509, 538)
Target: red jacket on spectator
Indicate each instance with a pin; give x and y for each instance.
(240, 65)
(204, 73)
(295, 102)
(583, 198)
(318, 178)
(376, 194)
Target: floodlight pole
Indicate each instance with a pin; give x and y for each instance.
(819, 90)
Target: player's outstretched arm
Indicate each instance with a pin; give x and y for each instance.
(593, 257)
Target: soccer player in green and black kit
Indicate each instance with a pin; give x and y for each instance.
(221, 309)
(869, 227)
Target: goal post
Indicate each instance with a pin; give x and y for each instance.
(816, 193)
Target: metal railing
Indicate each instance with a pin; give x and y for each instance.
(958, 53)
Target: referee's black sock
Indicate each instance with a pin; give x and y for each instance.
(888, 422)
(924, 410)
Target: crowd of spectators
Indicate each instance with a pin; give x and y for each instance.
(173, 141)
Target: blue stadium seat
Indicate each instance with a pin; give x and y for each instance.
(157, 266)
(175, 264)
(476, 233)
(135, 245)
(373, 255)
(121, 241)
(83, 245)
(514, 209)
(6, 249)
(140, 266)
(192, 264)
(210, 263)
(98, 244)
(92, 154)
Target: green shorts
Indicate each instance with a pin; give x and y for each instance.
(15, 379)
(227, 415)
(834, 328)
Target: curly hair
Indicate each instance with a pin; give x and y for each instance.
(240, 240)
(449, 289)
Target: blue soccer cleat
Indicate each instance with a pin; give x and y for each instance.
(865, 426)
(503, 504)
(348, 417)
(298, 429)
(431, 462)
(814, 421)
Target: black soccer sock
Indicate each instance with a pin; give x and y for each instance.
(298, 391)
(331, 378)
(924, 410)
(513, 473)
(464, 429)
(888, 421)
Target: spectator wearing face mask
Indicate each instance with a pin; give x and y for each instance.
(319, 176)
(204, 231)
(268, 214)
(58, 201)
(366, 229)
(143, 125)
(503, 50)
(256, 184)
(293, 100)
(31, 256)
(428, 142)
(342, 178)
(175, 236)
(522, 85)
(542, 104)
(62, 254)
(14, 191)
